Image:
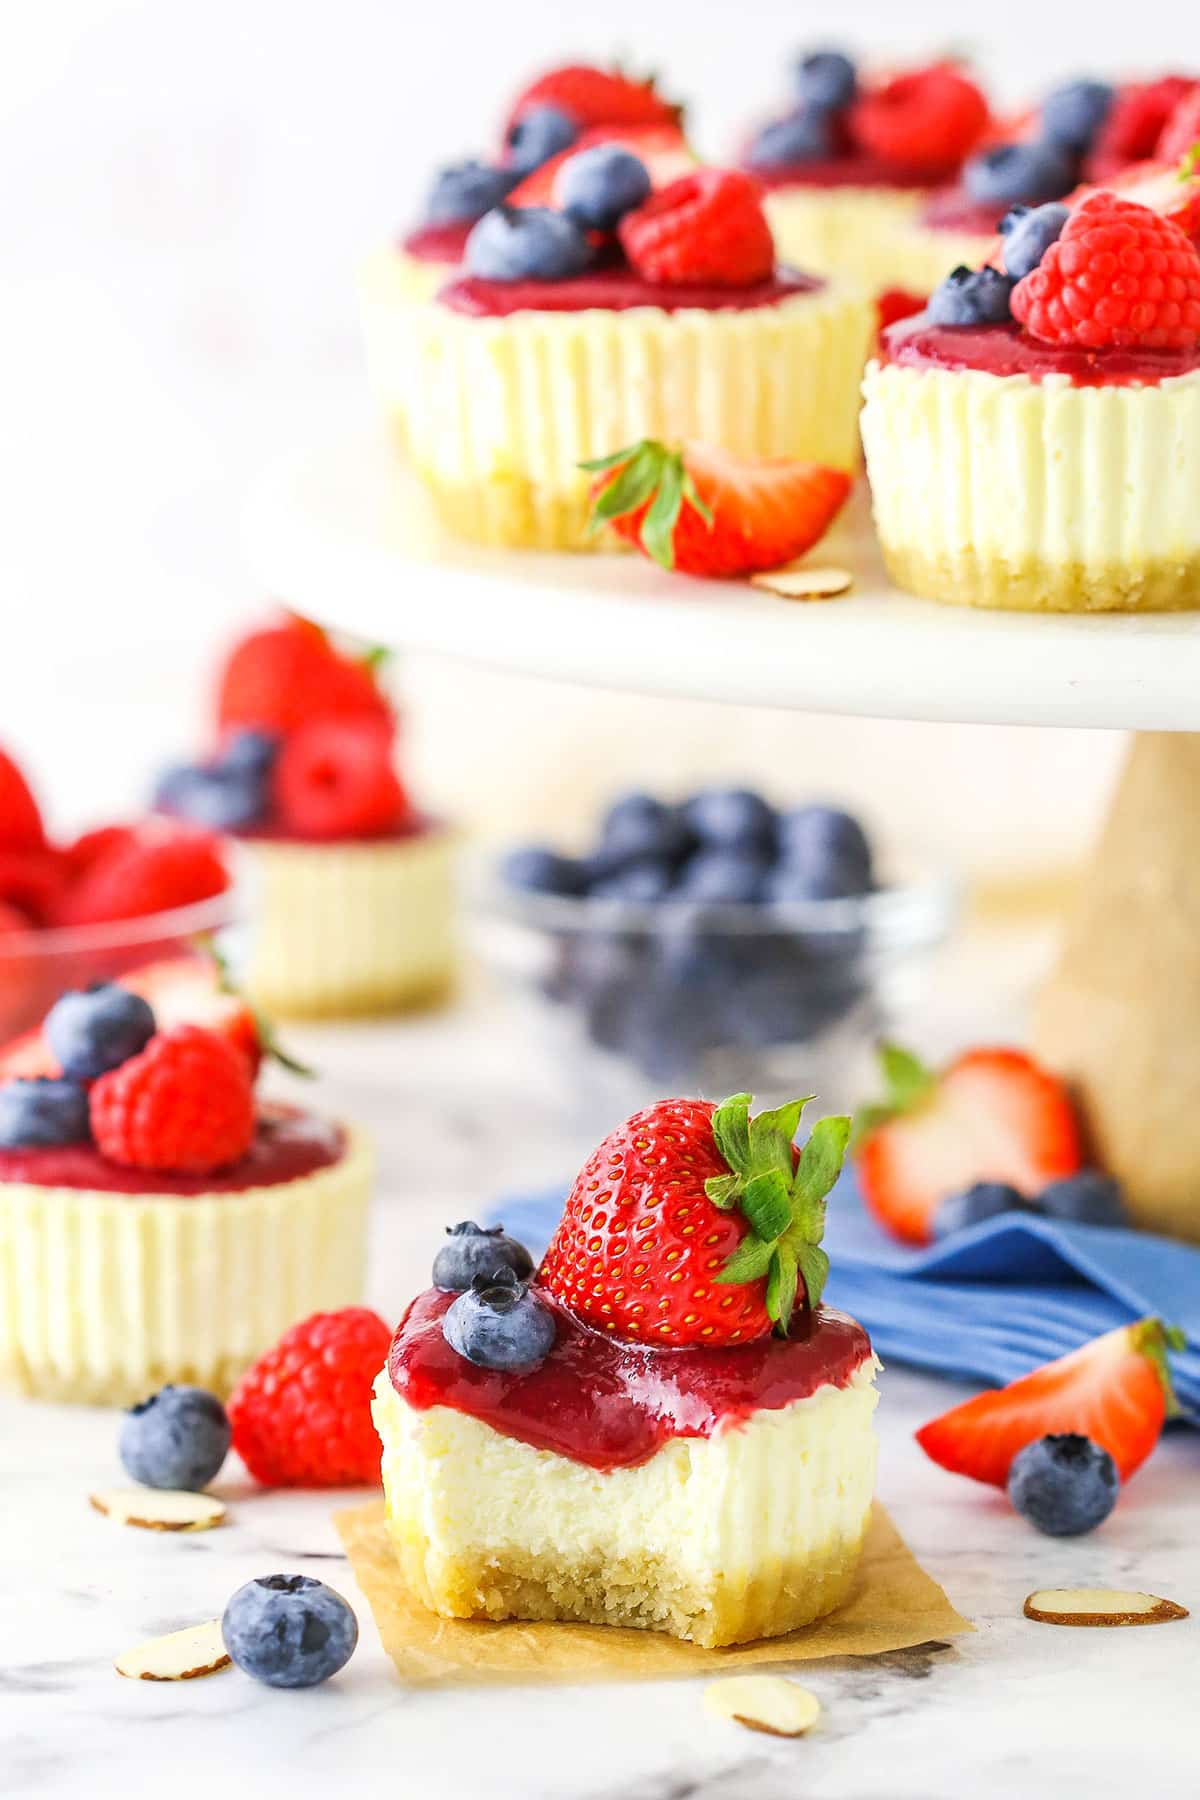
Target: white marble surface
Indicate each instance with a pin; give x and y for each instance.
(1014, 1710)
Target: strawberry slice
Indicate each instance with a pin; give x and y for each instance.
(1115, 1390)
(593, 96)
(992, 1115)
(1171, 189)
(703, 511)
(662, 149)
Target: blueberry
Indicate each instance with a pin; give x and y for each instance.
(42, 1114)
(636, 826)
(971, 297)
(826, 79)
(732, 819)
(641, 883)
(289, 1631)
(805, 135)
(539, 134)
(499, 1324)
(1074, 113)
(599, 186)
(723, 877)
(250, 752)
(1030, 172)
(1028, 233)
(1063, 1484)
(526, 243)
(985, 1200)
(178, 1438)
(824, 855)
(477, 1250)
(221, 799)
(1088, 1198)
(97, 1029)
(536, 870)
(465, 191)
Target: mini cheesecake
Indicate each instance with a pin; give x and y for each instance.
(715, 1495)
(394, 284)
(851, 217)
(115, 1280)
(1006, 472)
(664, 1429)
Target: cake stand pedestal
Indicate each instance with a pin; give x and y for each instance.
(348, 538)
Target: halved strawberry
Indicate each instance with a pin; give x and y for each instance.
(1171, 189)
(593, 96)
(992, 1115)
(1181, 133)
(1115, 1390)
(1136, 120)
(703, 511)
(662, 148)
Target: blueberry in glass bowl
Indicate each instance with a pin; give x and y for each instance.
(714, 938)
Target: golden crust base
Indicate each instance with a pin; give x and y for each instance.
(969, 579)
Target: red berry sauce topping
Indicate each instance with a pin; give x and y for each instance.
(438, 243)
(617, 289)
(853, 170)
(287, 1146)
(1008, 350)
(611, 1404)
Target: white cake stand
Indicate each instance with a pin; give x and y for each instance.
(347, 537)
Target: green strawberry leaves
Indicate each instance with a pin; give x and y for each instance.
(646, 471)
(908, 1083)
(1152, 1338)
(268, 1039)
(781, 1197)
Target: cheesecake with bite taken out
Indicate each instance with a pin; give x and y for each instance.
(158, 1222)
(663, 1428)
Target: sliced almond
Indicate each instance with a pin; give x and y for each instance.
(1100, 1606)
(180, 1656)
(159, 1509)
(764, 1703)
(805, 584)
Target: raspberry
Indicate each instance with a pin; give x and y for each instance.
(277, 678)
(709, 226)
(184, 1104)
(154, 872)
(1136, 121)
(301, 1416)
(1181, 133)
(926, 121)
(335, 779)
(20, 821)
(1119, 275)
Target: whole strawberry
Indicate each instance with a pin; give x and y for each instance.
(150, 871)
(183, 1105)
(301, 1416)
(277, 678)
(1120, 275)
(695, 1224)
(20, 821)
(591, 96)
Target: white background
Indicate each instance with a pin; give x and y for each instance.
(186, 186)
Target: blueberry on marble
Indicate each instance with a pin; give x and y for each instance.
(1074, 113)
(1064, 1484)
(539, 134)
(1028, 233)
(178, 1438)
(972, 297)
(599, 186)
(289, 1631)
(824, 855)
(642, 883)
(826, 79)
(732, 818)
(984, 1200)
(1032, 172)
(465, 191)
(536, 870)
(96, 1029)
(499, 1323)
(526, 243)
(805, 135)
(724, 877)
(474, 1250)
(1087, 1198)
(42, 1114)
(638, 825)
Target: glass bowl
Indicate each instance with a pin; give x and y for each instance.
(37, 966)
(777, 1000)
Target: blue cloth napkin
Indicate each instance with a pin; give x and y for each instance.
(990, 1303)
